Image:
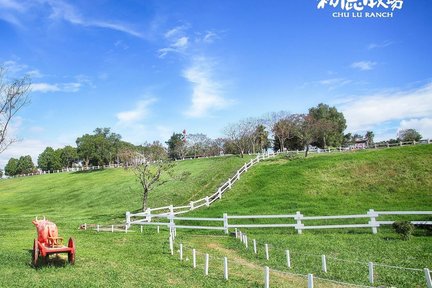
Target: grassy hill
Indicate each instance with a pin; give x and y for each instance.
(390, 179)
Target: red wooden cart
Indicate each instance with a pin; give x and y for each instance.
(49, 243)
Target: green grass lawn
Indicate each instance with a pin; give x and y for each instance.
(339, 184)
(330, 184)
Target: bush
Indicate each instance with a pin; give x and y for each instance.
(404, 229)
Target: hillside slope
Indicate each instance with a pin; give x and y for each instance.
(331, 184)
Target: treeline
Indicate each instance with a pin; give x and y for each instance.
(323, 126)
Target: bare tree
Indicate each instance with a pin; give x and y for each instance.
(149, 168)
(283, 126)
(13, 96)
(311, 129)
(239, 134)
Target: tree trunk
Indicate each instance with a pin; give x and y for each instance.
(306, 150)
(144, 203)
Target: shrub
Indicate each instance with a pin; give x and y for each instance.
(404, 229)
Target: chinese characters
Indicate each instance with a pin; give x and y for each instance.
(359, 5)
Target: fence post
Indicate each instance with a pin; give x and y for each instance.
(266, 277)
(246, 242)
(128, 218)
(371, 272)
(299, 225)
(85, 226)
(220, 193)
(181, 252)
(245, 167)
(238, 175)
(191, 205)
(97, 228)
(207, 201)
(310, 281)
(372, 214)
(236, 232)
(171, 244)
(229, 183)
(194, 258)
(149, 218)
(225, 221)
(324, 263)
(428, 278)
(226, 268)
(288, 258)
(266, 252)
(254, 246)
(141, 228)
(112, 228)
(158, 229)
(206, 264)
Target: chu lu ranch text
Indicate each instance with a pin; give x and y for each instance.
(354, 8)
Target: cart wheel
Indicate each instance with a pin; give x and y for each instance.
(35, 254)
(71, 255)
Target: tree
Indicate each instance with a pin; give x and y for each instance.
(283, 127)
(13, 96)
(149, 170)
(11, 168)
(100, 148)
(409, 135)
(176, 146)
(49, 160)
(261, 137)
(198, 144)
(238, 134)
(370, 137)
(310, 129)
(68, 155)
(25, 165)
(1, 173)
(335, 125)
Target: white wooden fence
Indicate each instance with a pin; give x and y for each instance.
(206, 201)
(297, 221)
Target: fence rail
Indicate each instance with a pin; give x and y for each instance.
(298, 221)
(206, 201)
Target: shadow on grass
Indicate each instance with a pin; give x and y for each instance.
(54, 260)
(88, 171)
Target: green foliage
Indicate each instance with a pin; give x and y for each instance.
(409, 135)
(101, 148)
(68, 155)
(25, 165)
(404, 229)
(176, 146)
(336, 125)
(49, 160)
(11, 168)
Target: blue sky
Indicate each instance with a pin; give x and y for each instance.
(150, 68)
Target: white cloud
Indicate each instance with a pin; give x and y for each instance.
(363, 65)
(365, 112)
(422, 125)
(379, 45)
(138, 113)
(209, 37)
(67, 12)
(334, 83)
(62, 87)
(181, 42)
(12, 5)
(207, 91)
(178, 42)
(176, 31)
(32, 147)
